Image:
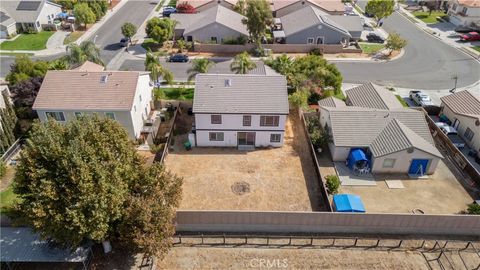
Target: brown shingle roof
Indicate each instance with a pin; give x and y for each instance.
(77, 90)
(463, 102)
(469, 3)
(90, 67)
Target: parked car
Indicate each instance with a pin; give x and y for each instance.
(181, 58)
(452, 134)
(124, 42)
(463, 29)
(374, 38)
(368, 15)
(168, 10)
(420, 98)
(471, 36)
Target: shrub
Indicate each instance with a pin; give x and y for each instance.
(30, 30)
(185, 7)
(240, 40)
(333, 183)
(3, 168)
(316, 51)
(473, 209)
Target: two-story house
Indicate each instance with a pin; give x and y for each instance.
(463, 109)
(30, 14)
(464, 12)
(124, 96)
(242, 111)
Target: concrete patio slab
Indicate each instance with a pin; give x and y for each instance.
(349, 178)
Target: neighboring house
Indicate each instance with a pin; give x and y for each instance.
(202, 5)
(281, 8)
(464, 12)
(8, 26)
(463, 109)
(310, 25)
(121, 95)
(213, 25)
(4, 91)
(240, 110)
(90, 67)
(31, 14)
(395, 139)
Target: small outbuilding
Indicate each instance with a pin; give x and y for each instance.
(348, 203)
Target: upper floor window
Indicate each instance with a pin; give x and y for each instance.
(216, 119)
(58, 116)
(465, 10)
(247, 120)
(469, 134)
(269, 121)
(110, 115)
(140, 96)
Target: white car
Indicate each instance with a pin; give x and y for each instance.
(420, 98)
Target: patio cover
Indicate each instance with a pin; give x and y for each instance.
(278, 34)
(348, 203)
(355, 156)
(23, 245)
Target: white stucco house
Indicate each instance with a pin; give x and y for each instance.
(464, 12)
(463, 109)
(394, 139)
(30, 14)
(244, 111)
(124, 96)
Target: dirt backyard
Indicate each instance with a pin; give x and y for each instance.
(276, 179)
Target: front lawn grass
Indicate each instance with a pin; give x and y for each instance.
(154, 47)
(476, 48)
(402, 101)
(175, 93)
(73, 37)
(426, 18)
(172, 3)
(28, 42)
(7, 199)
(370, 48)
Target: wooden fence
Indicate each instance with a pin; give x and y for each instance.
(450, 226)
(170, 137)
(12, 150)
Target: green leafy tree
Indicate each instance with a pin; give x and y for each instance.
(8, 122)
(473, 209)
(86, 51)
(85, 181)
(129, 30)
(333, 184)
(258, 18)
(152, 64)
(66, 4)
(181, 44)
(240, 7)
(380, 8)
(167, 76)
(282, 64)
(160, 30)
(299, 98)
(315, 73)
(395, 42)
(242, 63)
(199, 65)
(3, 168)
(25, 68)
(149, 229)
(84, 14)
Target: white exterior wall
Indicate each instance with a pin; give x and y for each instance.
(141, 108)
(403, 159)
(465, 122)
(339, 153)
(48, 9)
(233, 123)
(472, 14)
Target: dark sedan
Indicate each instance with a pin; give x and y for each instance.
(178, 58)
(374, 38)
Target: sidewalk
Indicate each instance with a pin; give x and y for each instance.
(443, 31)
(55, 42)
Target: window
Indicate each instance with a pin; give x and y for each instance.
(464, 11)
(319, 40)
(389, 163)
(110, 115)
(134, 108)
(38, 24)
(214, 40)
(269, 121)
(275, 137)
(247, 120)
(140, 96)
(469, 134)
(59, 116)
(216, 119)
(310, 40)
(78, 115)
(454, 7)
(216, 136)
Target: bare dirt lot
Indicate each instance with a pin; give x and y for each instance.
(256, 258)
(278, 179)
(441, 193)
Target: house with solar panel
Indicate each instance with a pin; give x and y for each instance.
(373, 132)
(27, 15)
(244, 111)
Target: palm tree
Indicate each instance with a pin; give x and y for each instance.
(86, 51)
(283, 64)
(242, 63)
(199, 65)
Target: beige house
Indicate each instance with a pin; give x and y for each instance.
(394, 138)
(464, 12)
(124, 96)
(463, 109)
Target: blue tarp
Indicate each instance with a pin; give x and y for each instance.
(357, 158)
(62, 15)
(348, 203)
